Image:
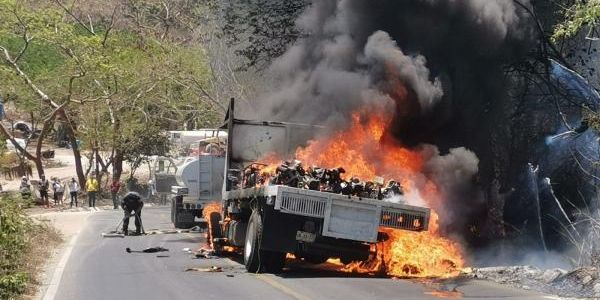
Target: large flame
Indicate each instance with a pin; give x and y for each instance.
(365, 150)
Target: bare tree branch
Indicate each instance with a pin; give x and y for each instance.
(70, 13)
(30, 83)
(8, 136)
(26, 38)
(110, 26)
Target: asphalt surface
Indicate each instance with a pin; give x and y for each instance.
(100, 268)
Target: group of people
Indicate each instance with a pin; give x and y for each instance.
(44, 185)
(131, 203)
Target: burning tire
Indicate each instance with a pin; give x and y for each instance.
(255, 259)
(214, 230)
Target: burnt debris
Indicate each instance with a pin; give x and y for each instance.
(294, 174)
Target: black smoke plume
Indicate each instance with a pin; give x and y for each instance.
(436, 64)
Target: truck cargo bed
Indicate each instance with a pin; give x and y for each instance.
(344, 217)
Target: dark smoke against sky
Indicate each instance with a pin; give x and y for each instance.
(345, 55)
(448, 55)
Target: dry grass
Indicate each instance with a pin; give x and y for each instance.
(25, 245)
(584, 234)
(41, 244)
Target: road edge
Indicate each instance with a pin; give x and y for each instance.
(49, 293)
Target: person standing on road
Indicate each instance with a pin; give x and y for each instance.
(73, 190)
(92, 187)
(59, 190)
(115, 187)
(132, 202)
(43, 188)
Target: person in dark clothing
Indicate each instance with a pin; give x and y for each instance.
(132, 202)
(73, 190)
(115, 187)
(43, 188)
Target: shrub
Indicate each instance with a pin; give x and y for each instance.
(13, 229)
(22, 243)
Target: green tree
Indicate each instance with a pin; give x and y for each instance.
(129, 64)
(577, 16)
(261, 30)
(138, 143)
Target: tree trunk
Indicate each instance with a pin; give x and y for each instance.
(117, 159)
(37, 159)
(39, 167)
(71, 134)
(40, 141)
(77, 156)
(117, 165)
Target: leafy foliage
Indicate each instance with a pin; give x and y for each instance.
(577, 16)
(140, 142)
(261, 29)
(592, 118)
(130, 62)
(14, 228)
(24, 245)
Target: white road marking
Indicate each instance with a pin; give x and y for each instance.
(60, 268)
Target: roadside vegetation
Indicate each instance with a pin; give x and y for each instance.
(89, 77)
(24, 246)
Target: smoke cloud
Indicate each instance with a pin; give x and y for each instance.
(435, 65)
(381, 50)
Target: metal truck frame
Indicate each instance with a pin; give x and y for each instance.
(270, 221)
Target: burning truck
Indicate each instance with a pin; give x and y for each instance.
(271, 209)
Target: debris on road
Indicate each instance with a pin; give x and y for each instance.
(113, 234)
(212, 269)
(196, 229)
(175, 231)
(205, 253)
(583, 282)
(147, 250)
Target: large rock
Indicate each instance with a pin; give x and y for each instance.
(552, 274)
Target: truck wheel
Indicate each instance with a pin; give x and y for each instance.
(173, 211)
(255, 259)
(183, 220)
(214, 230)
(251, 245)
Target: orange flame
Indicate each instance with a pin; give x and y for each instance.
(365, 150)
(207, 210)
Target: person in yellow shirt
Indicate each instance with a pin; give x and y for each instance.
(92, 187)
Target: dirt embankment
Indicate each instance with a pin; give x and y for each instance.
(580, 283)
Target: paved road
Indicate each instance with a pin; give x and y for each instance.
(99, 268)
